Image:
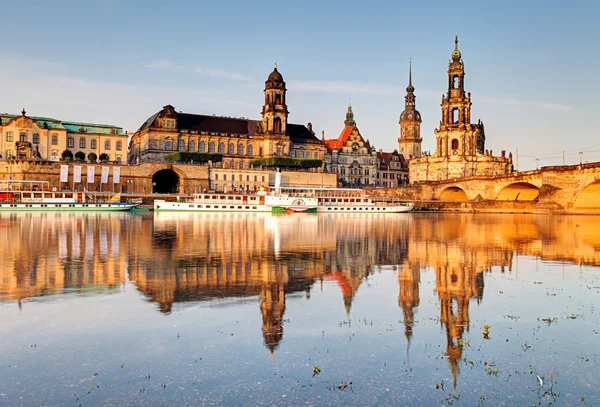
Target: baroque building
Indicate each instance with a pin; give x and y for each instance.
(350, 156)
(239, 140)
(44, 138)
(460, 145)
(410, 124)
(392, 170)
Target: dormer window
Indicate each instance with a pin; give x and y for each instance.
(113, 131)
(82, 130)
(168, 123)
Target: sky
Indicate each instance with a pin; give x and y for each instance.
(531, 66)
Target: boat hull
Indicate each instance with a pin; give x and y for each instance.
(67, 207)
(365, 208)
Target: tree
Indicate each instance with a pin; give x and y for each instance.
(92, 157)
(80, 156)
(104, 157)
(67, 155)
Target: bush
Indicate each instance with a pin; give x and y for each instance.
(67, 155)
(189, 156)
(287, 162)
(80, 156)
(104, 157)
(92, 157)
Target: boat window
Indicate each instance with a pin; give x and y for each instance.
(239, 207)
(254, 207)
(68, 195)
(246, 207)
(191, 206)
(207, 196)
(208, 206)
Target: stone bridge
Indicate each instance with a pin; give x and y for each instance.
(572, 189)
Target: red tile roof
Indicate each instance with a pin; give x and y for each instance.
(340, 141)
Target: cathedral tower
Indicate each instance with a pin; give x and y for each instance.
(410, 124)
(456, 135)
(275, 112)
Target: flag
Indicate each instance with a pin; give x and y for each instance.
(77, 173)
(104, 175)
(91, 174)
(64, 173)
(116, 175)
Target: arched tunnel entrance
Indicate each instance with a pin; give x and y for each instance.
(519, 191)
(453, 194)
(589, 197)
(165, 182)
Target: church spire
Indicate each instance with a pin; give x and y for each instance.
(410, 96)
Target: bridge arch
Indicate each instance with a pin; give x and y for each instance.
(589, 197)
(519, 191)
(453, 194)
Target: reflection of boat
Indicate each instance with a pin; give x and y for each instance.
(36, 196)
(347, 200)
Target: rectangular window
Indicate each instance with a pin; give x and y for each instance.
(9, 136)
(54, 139)
(107, 145)
(93, 144)
(224, 177)
(70, 142)
(216, 177)
(81, 143)
(36, 138)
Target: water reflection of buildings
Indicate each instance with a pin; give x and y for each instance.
(50, 253)
(219, 256)
(183, 258)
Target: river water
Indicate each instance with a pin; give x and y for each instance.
(305, 309)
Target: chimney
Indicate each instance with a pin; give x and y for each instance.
(309, 126)
(323, 135)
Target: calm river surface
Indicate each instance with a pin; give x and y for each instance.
(256, 309)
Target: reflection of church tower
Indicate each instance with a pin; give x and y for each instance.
(275, 112)
(455, 286)
(408, 298)
(410, 124)
(272, 307)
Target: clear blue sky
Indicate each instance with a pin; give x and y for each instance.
(532, 67)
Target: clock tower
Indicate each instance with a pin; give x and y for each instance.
(410, 123)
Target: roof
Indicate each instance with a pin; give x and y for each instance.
(71, 127)
(231, 125)
(340, 141)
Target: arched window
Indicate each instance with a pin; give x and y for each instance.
(168, 145)
(70, 142)
(211, 147)
(221, 148)
(454, 116)
(278, 152)
(230, 150)
(118, 160)
(240, 149)
(192, 145)
(93, 144)
(181, 145)
(119, 146)
(454, 144)
(23, 137)
(201, 147)
(249, 150)
(36, 138)
(277, 125)
(107, 145)
(82, 142)
(455, 82)
(54, 139)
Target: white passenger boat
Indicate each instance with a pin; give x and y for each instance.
(37, 196)
(216, 202)
(348, 200)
